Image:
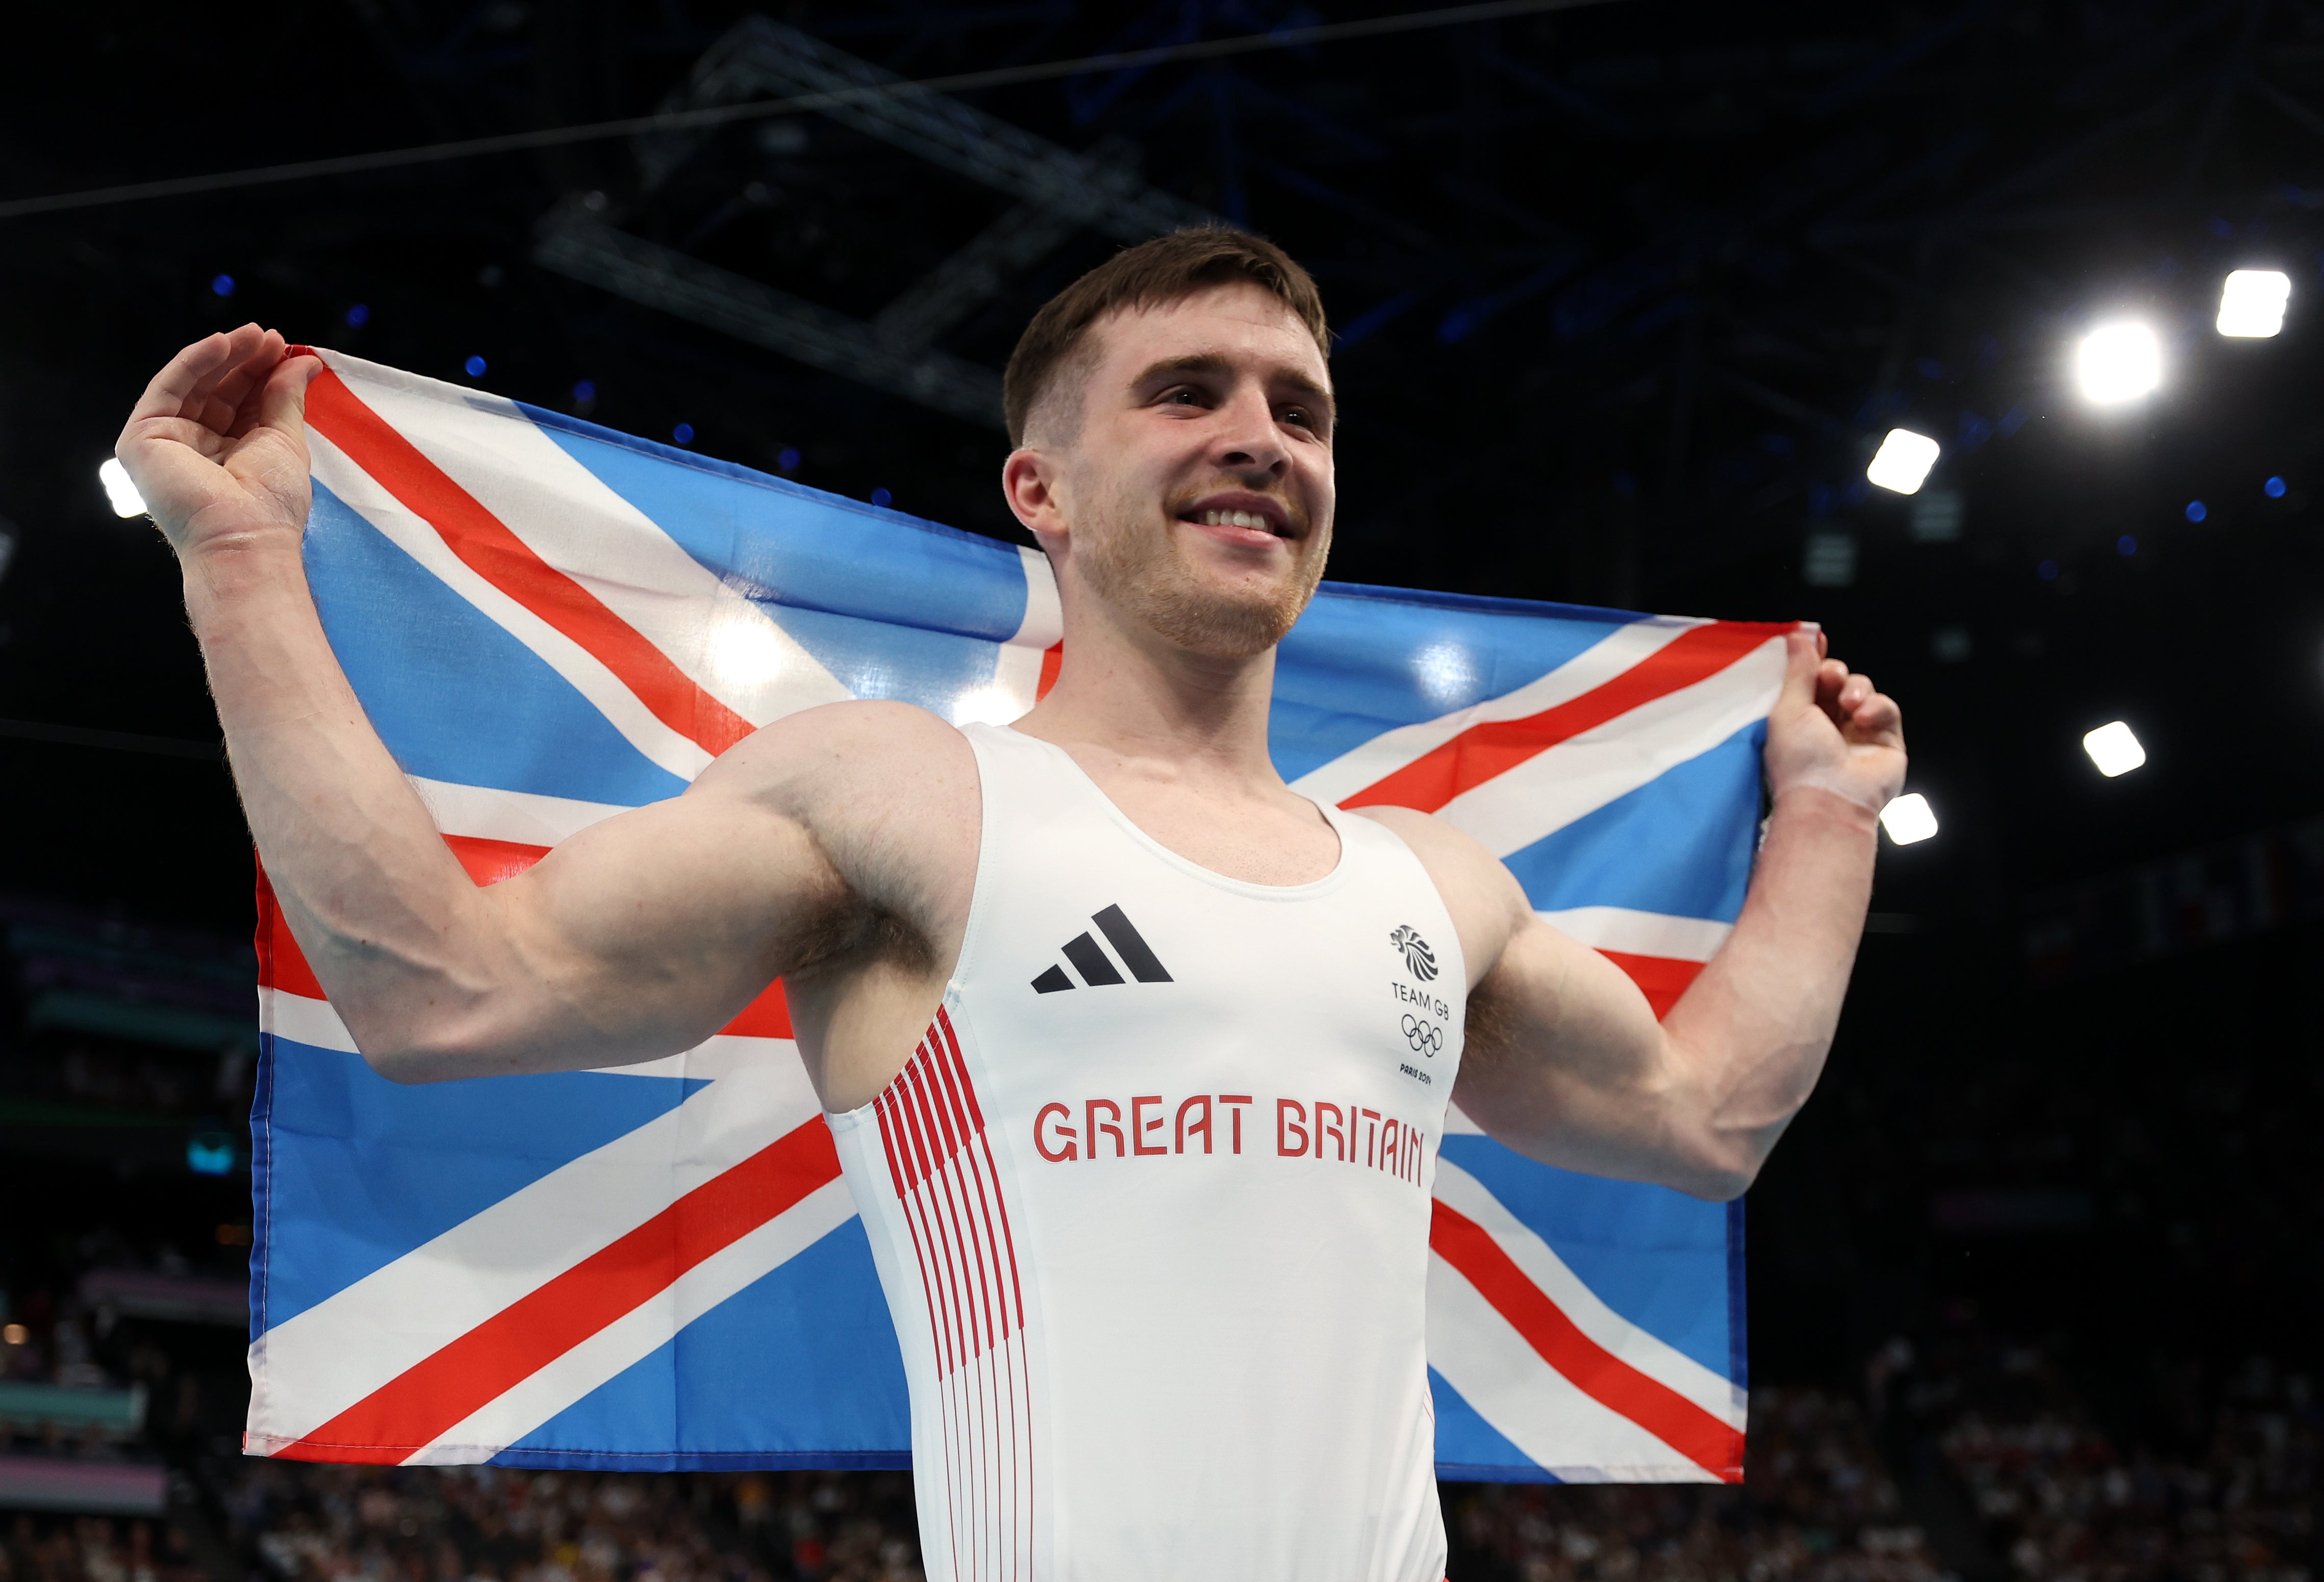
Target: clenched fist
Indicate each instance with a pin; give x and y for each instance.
(218, 444)
(1831, 728)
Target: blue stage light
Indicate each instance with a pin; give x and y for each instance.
(683, 433)
(2197, 510)
(476, 367)
(585, 392)
(788, 458)
(358, 315)
(2274, 487)
(221, 285)
(880, 497)
(2047, 571)
(2126, 544)
(210, 1154)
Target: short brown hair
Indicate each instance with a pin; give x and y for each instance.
(1161, 271)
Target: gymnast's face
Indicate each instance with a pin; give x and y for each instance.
(1191, 494)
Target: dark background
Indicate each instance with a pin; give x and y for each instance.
(1628, 296)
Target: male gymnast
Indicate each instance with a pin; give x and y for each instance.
(1144, 1336)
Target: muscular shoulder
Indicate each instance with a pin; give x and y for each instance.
(1483, 897)
(888, 790)
(850, 748)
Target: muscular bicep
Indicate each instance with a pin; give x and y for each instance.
(652, 930)
(647, 933)
(1564, 1061)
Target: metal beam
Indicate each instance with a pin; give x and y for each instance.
(956, 288)
(1059, 192)
(574, 243)
(972, 277)
(760, 57)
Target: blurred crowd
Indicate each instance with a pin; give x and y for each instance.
(2025, 1485)
(1966, 1458)
(96, 1548)
(1818, 1505)
(2059, 1498)
(310, 1524)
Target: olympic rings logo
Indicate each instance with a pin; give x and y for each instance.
(1426, 1037)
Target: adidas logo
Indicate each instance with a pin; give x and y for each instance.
(1097, 968)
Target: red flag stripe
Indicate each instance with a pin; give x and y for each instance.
(490, 861)
(1498, 746)
(485, 543)
(767, 1016)
(1661, 979)
(411, 1410)
(1705, 1440)
(281, 963)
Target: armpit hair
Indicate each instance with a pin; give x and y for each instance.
(852, 931)
(1488, 1033)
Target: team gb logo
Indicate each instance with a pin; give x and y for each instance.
(1416, 953)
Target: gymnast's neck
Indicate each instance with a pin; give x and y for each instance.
(1130, 692)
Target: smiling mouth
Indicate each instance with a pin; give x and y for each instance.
(1256, 522)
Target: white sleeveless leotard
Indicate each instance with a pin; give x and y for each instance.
(1150, 1205)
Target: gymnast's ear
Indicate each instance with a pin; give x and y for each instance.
(1032, 480)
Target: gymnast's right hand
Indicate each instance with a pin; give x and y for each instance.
(217, 444)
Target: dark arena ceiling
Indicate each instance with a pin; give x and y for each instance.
(1627, 294)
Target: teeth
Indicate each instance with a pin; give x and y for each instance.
(1236, 518)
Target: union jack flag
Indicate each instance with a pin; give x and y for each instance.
(659, 1266)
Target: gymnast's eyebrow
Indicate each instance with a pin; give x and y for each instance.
(1305, 388)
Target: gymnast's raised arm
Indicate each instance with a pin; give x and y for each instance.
(639, 937)
(1564, 1060)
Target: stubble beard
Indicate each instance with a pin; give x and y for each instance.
(1144, 572)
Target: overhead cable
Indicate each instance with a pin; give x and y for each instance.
(1289, 38)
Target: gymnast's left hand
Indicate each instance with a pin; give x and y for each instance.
(217, 444)
(1832, 728)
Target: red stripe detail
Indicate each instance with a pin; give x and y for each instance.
(940, 1163)
(932, 1129)
(485, 543)
(991, 1210)
(1662, 979)
(915, 1107)
(892, 1131)
(918, 1162)
(947, 1044)
(988, 1256)
(1705, 1440)
(1483, 751)
(1007, 1236)
(921, 1126)
(409, 1410)
(891, 1128)
(1053, 659)
(888, 1146)
(969, 1285)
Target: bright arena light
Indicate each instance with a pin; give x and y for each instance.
(1905, 460)
(2114, 750)
(1909, 818)
(118, 489)
(2118, 362)
(2252, 302)
(744, 652)
(986, 705)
